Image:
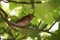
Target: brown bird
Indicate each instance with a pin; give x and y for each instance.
(25, 20)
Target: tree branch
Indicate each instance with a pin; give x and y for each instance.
(22, 2)
(5, 14)
(16, 25)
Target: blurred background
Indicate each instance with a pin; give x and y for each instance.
(46, 20)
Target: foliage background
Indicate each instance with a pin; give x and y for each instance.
(48, 11)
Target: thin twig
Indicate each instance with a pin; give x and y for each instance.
(44, 26)
(52, 25)
(32, 4)
(23, 13)
(39, 24)
(47, 32)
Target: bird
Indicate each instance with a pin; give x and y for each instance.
(25, 20)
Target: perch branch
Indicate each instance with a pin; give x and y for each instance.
(15, 25)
